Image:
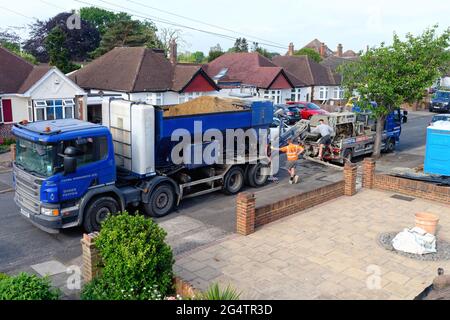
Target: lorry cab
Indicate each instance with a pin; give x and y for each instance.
(57, 163)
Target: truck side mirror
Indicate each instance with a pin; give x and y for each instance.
(70, 165)
(70, 160)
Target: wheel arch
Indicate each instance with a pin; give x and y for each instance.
(150, 185)
(91, 195)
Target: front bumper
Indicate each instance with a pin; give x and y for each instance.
(440, 108)
(50, 224)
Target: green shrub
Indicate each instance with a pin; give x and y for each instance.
(3, 276)
(137, 263)
(214, 292)
(27, 287)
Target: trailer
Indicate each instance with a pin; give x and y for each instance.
(71, 173)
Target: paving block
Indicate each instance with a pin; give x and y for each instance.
(49, 268)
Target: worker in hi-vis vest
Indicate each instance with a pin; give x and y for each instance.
(292, 151)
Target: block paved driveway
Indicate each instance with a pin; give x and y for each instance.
(328, 252)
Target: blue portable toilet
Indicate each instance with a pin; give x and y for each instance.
(437, 157)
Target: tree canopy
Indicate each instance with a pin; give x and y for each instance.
(240, 45)
(12, 41)
(313, 54)
(194, 57)
(215, 52)
(131, 33)
(393, 74)
(58, 53)
(78, 41)
(102, 19)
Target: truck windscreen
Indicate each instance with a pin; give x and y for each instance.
(35, 157)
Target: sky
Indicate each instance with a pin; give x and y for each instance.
(354, 23)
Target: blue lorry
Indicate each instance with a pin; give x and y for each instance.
(71, 173)
(392, 126)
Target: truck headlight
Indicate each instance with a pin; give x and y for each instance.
(49, 212)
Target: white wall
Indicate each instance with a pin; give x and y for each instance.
(445, 82)
(19, 106)
(54, 87)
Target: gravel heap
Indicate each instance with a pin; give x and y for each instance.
(442, 247)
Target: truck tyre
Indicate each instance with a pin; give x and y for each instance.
(256, 176)
(98, 211)
(390, 145)
(233, 181)
(162, 201)
(348, 156)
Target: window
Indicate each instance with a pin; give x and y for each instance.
(1, 111)
(54, 109)
(155, 99)
(90, 149)
(323, 93)
(338, 93)
(185, 97)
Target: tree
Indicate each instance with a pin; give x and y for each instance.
(262, 51)
(78, 41)
(102, 19)
(58, 54)
(215, 52)
(313, 54)
(195, 57)
(130, 33)
(11, 41)
(392, 75)
(240, 45)
(167, 35)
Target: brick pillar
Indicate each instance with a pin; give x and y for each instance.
(91, 257)
(245, 214)
(368, 173)
(350, 172)
(13, 152)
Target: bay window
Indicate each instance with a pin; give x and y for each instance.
(53, 109)
(323, 93)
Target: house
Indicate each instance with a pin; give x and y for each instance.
(325, 52)
(321, 84)
(142, 75)
(251, 73)
(34, 93)
(334, 62)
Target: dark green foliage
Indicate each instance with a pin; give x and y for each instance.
(137, 261)
(313, 54)
(27, 287)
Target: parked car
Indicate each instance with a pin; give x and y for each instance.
(308, 109)
(291, 113)
(440, 117)
(440, 102)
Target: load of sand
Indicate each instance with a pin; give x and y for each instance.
(203, 105)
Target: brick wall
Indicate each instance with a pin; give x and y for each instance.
(249, 217)
(412, 188)
(5, 131)
(408, 187)
(290, 206)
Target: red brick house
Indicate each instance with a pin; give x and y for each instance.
(251, 73)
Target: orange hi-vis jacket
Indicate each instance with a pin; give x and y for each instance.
(292, 151)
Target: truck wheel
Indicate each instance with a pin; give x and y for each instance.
(348, 155)
(233, 181)
(98, 211)
(161, 201)
(390, 146)
(256, 175)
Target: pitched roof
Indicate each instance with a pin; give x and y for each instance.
(306, 70)
(248, 68)
(349, 54)
(14, 71)
(316, 44)
(135, 69)
(333, 62)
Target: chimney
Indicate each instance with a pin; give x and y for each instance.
(291, 49)
(322, 50)
(173, 51)
(340, 50)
